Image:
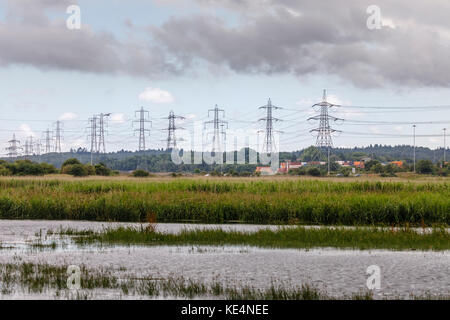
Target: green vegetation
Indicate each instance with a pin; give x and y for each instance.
(140, 173)
(25, 168)
(215, 201)
(74, 167)
(39, 278)
(286, 237)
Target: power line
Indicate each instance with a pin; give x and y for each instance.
(58, 137)
(101, 137)
(171, 136)
(216, 147)
(142, 120)
(14, 147)
(93, 135)
(269, 143)
(324, 131)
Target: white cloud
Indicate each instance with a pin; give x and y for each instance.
(156, 95)
(118, 118)
(26, 130)
(68, 116)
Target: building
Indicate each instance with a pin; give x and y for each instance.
(397, 163)
(359, 164)
(289, 165)
(265, 171)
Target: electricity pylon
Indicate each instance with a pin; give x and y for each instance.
(171, 136)
(142, 120)
(37, 147)
(216, 145)
(101, 132)
(324, 131)
(445, 144)
(48, 134)
(93, 135)
(58, 137)
(223, 132)
(14, 147)
(269, 145)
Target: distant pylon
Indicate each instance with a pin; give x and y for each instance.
(47, 141)
(269, 145)
(216, 145)
(58, 137)
(101, 132)
(26, 152)
(445, 144)
(171, 136)
(324, 130)
(37, 147)
(223, 132)
(93, 135)
(142, 120)
(14, 147)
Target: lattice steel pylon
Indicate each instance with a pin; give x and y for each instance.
(223, 132)
(47, 140)
(216, 144)
(14, 147)
(58, 137)
(171, 134)
(101, 132)
(142, 120)
(37, 147)
(269, 145)
(93, 136)
(324, 131)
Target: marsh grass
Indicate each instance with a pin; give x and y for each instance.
(41, 278)
(48, 279)
(283, 237)
(258, 201)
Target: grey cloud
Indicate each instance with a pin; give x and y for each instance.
(299, 37)
(28, 37)
(308, 37)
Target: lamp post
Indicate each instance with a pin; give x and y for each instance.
(414, 130)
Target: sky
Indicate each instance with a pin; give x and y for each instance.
(189, 55)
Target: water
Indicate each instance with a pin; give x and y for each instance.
(338, 272)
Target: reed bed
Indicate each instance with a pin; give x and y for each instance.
(45, 278)
(283, 237)
(263, 202)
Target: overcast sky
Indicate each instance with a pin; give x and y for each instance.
(188, 55)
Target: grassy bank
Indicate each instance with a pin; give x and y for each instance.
(215, 201)
(287, 237)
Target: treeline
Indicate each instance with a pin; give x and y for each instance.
(382, 153)
(71, 166)
(376, 167)
(160, 160)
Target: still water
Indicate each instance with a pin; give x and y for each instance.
(337, 272)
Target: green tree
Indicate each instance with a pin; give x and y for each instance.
(102, 170)
(315, 172)
(78, 170)
(140, 173)
(425, 167)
